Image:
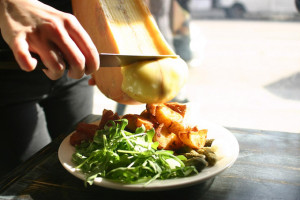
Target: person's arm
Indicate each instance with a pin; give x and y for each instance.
(31, 26)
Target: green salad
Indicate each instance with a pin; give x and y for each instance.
(126, 157)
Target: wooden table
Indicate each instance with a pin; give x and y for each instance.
(268, 167)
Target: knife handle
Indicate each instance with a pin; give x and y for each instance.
(8, 61)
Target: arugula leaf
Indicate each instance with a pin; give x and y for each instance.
(126, 157)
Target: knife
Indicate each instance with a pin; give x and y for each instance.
(7, 59)
(117, 60)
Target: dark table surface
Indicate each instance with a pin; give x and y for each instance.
(268, 167)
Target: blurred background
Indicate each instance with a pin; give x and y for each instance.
(243, 57)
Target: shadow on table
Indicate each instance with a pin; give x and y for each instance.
(288, 88)
(192, 192)
(188, 193)
(62, 185)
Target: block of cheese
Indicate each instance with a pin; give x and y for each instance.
(127, 27)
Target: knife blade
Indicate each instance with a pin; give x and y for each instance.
(7, 59)
(117, 60)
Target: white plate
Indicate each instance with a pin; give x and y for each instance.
(226, 143)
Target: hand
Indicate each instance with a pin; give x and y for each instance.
(31, 26)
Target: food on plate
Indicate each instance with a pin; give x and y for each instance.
(144, 147)
(135, 121)
(127, 27)
(84, 132)
(209, 154)
(172, 132)
(193, 137)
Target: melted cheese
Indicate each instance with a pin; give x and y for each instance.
(154, 81)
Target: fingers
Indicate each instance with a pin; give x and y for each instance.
(72, 54)
(50, 55)
(53, 61)
(77, 47)
(54, 45)
(21, 52)
(84, 43)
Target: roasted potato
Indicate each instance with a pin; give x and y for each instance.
(193, 137)
(165, 115)
(167, 140)
(176, 127)
(106, 116)
(88, 129)
(167, 120)
(135, 121)
(83, 132)
(77, 137)
(179, 108)
(145, 114)
(151, 108)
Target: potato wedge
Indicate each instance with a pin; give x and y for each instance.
(77, 137)
(194, 138)
(87, 129)
(83, 132)
(135, 121)
(167, 116)
(177, 107)
(166, 140)
(151, 108)
(106, 116)
(145, 114)
(177, 127)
